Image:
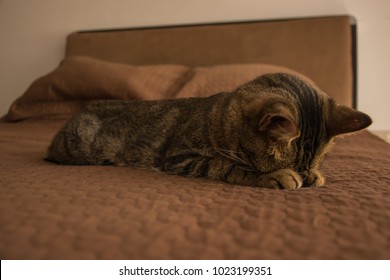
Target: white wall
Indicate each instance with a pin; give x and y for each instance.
(32, 34)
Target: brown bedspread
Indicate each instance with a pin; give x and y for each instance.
(50, 211)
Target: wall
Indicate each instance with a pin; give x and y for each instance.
(32, 34)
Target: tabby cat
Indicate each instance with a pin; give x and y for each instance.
(272, 132)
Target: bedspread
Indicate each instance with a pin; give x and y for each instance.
(50, 211)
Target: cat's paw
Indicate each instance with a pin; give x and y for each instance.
(281, 179)
(312, 178)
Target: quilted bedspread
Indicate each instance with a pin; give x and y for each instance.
(50, 211)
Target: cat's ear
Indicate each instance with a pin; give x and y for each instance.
(279, 125)
(346, 120)
(272, 118)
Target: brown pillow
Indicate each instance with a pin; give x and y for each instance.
(206, 81)
(80, 79)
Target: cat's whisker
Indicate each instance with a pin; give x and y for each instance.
(247, 169)
(228, 154)
(233, 156)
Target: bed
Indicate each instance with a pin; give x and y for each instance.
(50, 211)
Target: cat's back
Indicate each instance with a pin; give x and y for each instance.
(152, 109)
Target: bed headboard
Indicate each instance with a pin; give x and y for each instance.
(322, 48)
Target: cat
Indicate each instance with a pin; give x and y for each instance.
(272, 132)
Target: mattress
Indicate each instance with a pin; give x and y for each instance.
(51, 211)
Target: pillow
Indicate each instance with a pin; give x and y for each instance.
(80, 79)
(206, 81)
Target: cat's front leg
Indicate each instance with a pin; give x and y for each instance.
(281, 179)
(312, 178)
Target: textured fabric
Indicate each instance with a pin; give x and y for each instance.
(320, 48)
(80, 79)
(49, 211)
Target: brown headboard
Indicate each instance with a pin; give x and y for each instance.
(321, 48)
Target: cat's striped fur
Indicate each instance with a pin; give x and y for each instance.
(271, 132)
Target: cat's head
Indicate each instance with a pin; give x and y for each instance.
(291, 123)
